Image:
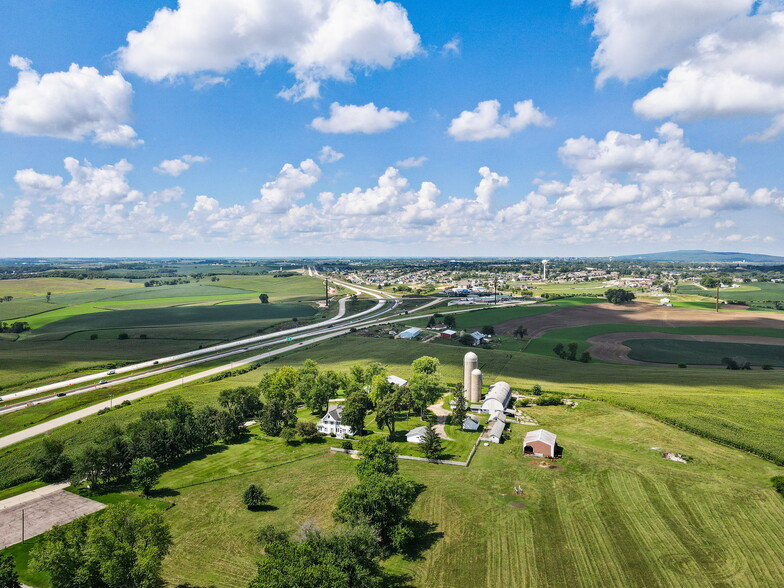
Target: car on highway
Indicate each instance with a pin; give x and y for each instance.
(245, 348)
(103, 382)
(60, 394)
(111, 372)
(155, 362)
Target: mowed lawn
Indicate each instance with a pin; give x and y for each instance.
(703, 352)
(612, 513)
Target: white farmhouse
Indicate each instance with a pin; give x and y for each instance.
(331, 423)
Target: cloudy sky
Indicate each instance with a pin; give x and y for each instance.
(360, 127)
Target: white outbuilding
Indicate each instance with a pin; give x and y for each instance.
(471, 423)
(416, 435)
(397, 380)
(497, 398)
(411, 333)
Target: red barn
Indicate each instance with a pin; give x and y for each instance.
(539, 443)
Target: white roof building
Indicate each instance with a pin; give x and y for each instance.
(471, 423)
(410, 333)
(539, 443)
(497, 430)
(497, 398)
(396, 380)
(415, 435)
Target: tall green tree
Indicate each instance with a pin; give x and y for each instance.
(122, 547)
(426, 388)
(355, 410)
(244, 402)
(347, 558)
(8, 576)
(379, 388)
(431, 445)
(378, 456)
(145, 474)
(386, 411)
(459, 412)
(51, 464)
(425, 365)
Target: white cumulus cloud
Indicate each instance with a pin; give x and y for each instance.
(486, 122)
(411, 162)
(289, 186)
(72, 104)
(321, 39)
(367, 119)
(329, 155)
(174, 167)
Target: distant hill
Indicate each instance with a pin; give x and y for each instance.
(697, 256)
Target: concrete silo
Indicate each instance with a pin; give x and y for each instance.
(470, 363)
(476, 386)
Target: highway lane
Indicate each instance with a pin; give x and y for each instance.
(236, 346)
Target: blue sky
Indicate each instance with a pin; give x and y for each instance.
(537, 127)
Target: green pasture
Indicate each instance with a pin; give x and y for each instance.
(611, 513)
(290, 289)
(38, 287)
(703, 352)
(748, 292)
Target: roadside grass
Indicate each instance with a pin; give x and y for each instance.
(21, 489)
(703, 352)
(611, 513)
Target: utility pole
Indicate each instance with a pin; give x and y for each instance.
(718, 285)
(495, 288)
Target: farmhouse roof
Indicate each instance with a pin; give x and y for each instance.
(397, 380)
(471, 418)
(416, 432)
(334, 412)
(540, 435)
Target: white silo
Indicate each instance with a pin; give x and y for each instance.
(476, 386)
(470, 363)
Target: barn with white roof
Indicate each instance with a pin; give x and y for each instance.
(539, 443)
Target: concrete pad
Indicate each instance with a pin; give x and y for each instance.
(41, 513)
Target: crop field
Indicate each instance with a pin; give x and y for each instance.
(38, 287)
(749, 293)
(611, 513)
(703, 352)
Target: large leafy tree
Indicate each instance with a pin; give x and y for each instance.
(243, 402)
(426, 388)
(8, 576)
(618, 295)
(378, 457)
(355, 411)
(379, 501)
(145, 474)
(386, 409)
(349, 558)
(425, 365)
(52, 465)
(122, 547)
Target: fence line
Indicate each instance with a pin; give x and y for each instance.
(414, 458)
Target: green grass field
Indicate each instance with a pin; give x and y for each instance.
(750, 292)
(612, 513)
(703, 352)
(38, 287)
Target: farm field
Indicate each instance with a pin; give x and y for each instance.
(614, 511)
(38, 287)
(748, 292)
(702, 352)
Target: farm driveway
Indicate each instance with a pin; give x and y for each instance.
(438, 410)
(43, 509)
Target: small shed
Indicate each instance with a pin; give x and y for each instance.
(496, 430)
(448, 334)
(410, 333)
(396, 380)
(539, 443)
(471, 423)
(415, 435)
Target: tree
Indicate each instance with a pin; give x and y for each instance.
(254, 497)
(355, 411)
(264, 298)
(536, 390)
(450, 322)
(666, 288)
(380, 502)
(122, 547)
(307, 431)
(145, 474)
(288, 434)
(378, 457)
(325, 386)
(379, 388)
(459, 412)
(244, 402)
(466, 340)
(618, 295)
(425, 390)
(431, 444)
(123, 336)
(710, 282)
(585, 357)
(52, 465)
(520, 332)
(348, 558)
(386, 409)
(488, 330)
(88, 465)
(8, 576)
(48, 296)
(571, 351)
(559, 350)
(425, 365)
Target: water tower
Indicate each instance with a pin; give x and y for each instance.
(544, 269)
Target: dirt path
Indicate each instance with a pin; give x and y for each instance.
(441, 413)
(610, 347)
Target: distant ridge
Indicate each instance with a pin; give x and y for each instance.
(699, 255)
